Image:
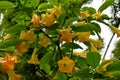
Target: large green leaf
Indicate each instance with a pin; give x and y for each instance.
(45, 67)
(115, 66)
(105, 5)
(16, 29)
(70, 21)
(93, 59)
(6, 5)
(62, 76)
(46, 58)
(87, 27)
(72, 45)
(89, 9)
(83, 73)
(9, 43)
(115, 73)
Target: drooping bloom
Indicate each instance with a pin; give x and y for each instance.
(44, 41)
(48, 19)
(116, 30)
(84, 14)
(30, 36)
(66, 35)
(23, 46)
(93, 48)
(35, 20)
(7, 63)
(34, 58)
(103, 68)
(66, 65)
(83, 36)
(97, 15)
(13, 76)
(56, 11)
(97, 43)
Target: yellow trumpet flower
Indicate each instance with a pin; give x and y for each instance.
(66, 35)
(84, 14)
(66, 65)
(97, 15)
(116, 30)
(34, 58)
(83, 36)
(13, 76)
(35, 20)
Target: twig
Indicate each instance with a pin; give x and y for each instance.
(108, 45)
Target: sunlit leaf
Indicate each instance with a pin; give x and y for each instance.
(62, 76)
(83, 73)
(16, 29)
(70, 21)
(72, 45)
(9, 43)
(45, 67)
(89, 9)
(115, 66)
(105, 5)
(93, 59)
(6, 5)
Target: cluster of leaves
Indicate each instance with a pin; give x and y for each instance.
(43, 35)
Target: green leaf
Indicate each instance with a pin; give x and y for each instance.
(38, 74)
(16, 29)
(93, 59)
(74, 78)
(70, 21)
(53, 1)
(45, 67)
(6, 5)
(105, 5)
(89, 9)
(115, 66)
(83, 73)
(44, 6)
(62, 76)
(87, 27)
(46, 58)
(72, 45)
(9, 43)
(115, 73)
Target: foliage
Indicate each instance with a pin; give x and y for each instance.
(39, 39)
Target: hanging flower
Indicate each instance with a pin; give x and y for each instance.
(56, 11)
(103, 68)
(93, 48)
(66, 65)
(34, 58)
(35, 20)
(97, 15)
(13, 76)
(7, 63)
(44, 41)
(84, 14)
(30, 36)
(23, 46)
(83, 36)
(48, 19)
(97, 43)
(66, 35)
(116, 30)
